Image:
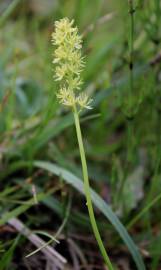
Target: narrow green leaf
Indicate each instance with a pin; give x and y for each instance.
(7, 257)
(100, 204)
(21, 209)
(8, 11)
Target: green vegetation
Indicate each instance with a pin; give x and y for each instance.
(44, 221)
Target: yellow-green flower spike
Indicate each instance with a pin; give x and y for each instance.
(68, 63)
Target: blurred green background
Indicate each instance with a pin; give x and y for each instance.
(122, 133)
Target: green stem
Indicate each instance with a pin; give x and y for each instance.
(131, 47)
(130, 111)
(143, 211)
(87, 191)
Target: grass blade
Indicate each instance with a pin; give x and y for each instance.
(8, 11)
(100, 204)
(21, 209)
(7, 257)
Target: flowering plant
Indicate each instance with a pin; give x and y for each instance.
(68, 66)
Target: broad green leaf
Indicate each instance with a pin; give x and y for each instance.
(133, 190)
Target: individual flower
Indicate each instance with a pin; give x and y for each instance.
(83, 101)
(66, 97)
